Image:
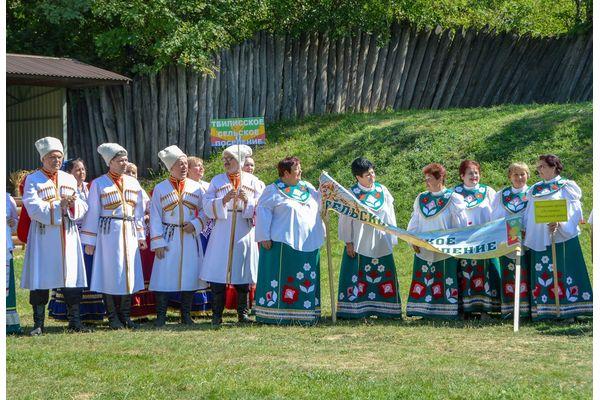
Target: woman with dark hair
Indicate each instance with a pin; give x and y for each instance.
(574, 288)
(368, 284)
(479, 279)
(434, 289)
(91, 308)
(290, 231)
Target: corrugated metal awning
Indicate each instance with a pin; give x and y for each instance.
(24, 69)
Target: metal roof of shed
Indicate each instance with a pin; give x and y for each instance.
(22, 69)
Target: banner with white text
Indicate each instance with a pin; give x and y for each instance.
(493, 239)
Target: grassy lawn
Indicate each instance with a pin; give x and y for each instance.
(409, 359)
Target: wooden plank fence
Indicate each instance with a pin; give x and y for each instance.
(291, 77)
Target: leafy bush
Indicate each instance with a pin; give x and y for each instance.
(133, 36)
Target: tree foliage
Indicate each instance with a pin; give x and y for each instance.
(134, 36)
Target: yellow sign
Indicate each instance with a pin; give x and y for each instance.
(547, 211)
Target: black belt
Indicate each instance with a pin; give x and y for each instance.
(105, 222)
(169, 230)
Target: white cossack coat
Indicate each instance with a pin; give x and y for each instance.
(53, 255)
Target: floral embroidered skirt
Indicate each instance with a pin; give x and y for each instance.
(288, 289)
(91, 308)
(434, 289)
(368, 286)
(13, 325)
(507, 293)
(479, 285)
(574, 288)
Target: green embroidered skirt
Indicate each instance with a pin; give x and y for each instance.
(574, 288)
(434, 289)
(368, 286)
(507, 293)
(13, 324)
(479, 285)
(288, 289)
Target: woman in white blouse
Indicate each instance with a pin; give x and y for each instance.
(434, 289)
(574, 288)
(290, 231)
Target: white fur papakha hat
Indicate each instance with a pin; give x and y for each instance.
(48, 144)
(108, 151)
(244, 151)
(170, 155)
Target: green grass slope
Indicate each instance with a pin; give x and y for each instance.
(409, 359)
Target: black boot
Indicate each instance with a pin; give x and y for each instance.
(186, 307)
(242, 303)
(162, 299)
(73, 316)
(125, 312)
(218, 304)
(39, 314)
(113, 319)
(73, 300)
(38, 300)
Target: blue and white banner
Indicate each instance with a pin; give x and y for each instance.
(493, 239)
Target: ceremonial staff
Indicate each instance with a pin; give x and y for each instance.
(237, 129)
(325, 216)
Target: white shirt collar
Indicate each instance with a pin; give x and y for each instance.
(556, 178)
(365, 189)
(472, 187)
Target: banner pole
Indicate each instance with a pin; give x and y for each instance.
(329, 266)
(517, 309)
(555, 276)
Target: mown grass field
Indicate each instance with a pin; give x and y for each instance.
(409, 359)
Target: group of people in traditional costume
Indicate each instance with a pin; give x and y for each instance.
(109, 248)
(451, 288)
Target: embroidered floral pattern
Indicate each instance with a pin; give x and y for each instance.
(514, 202)
(299, 192)
(547, 188)
(431, 205)
(473, 197)
(373, 199)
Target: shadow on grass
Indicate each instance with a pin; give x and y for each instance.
(583, 327)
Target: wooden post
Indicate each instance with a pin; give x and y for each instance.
(325, 217)
(517, 309)
(555, 275)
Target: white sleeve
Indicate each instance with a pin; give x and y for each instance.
(392, 213)
(252, 200)
(458, 211)
(156, 227)
(12, 212)
(572, 193)
(79, 210)
(89, 228)
(497, 208)
(413, 224)
(345, 229)
(139, 212)
(264, 216)
(489, 210)
(213, 205)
